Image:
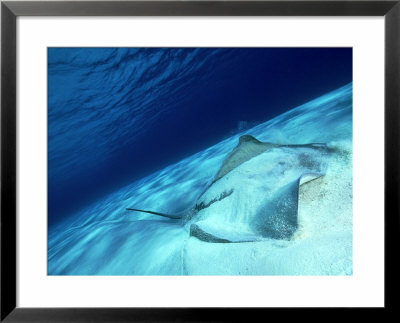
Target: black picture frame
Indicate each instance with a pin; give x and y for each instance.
(10, 10)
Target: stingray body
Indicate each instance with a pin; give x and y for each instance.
(254, 194)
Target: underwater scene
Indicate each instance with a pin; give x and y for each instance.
(200, 161)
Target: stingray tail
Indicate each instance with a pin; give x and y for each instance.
(170, 216)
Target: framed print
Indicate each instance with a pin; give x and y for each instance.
(176, 160)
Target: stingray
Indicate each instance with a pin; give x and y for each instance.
(254, 195)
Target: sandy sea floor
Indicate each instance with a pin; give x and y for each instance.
(105, 239)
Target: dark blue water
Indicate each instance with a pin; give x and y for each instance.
(115, 115)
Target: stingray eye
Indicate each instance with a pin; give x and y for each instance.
(247, 138)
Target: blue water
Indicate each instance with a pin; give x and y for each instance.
(118, 114)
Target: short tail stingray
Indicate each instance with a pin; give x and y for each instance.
(273, 215)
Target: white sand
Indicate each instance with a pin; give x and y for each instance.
(106, 239)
